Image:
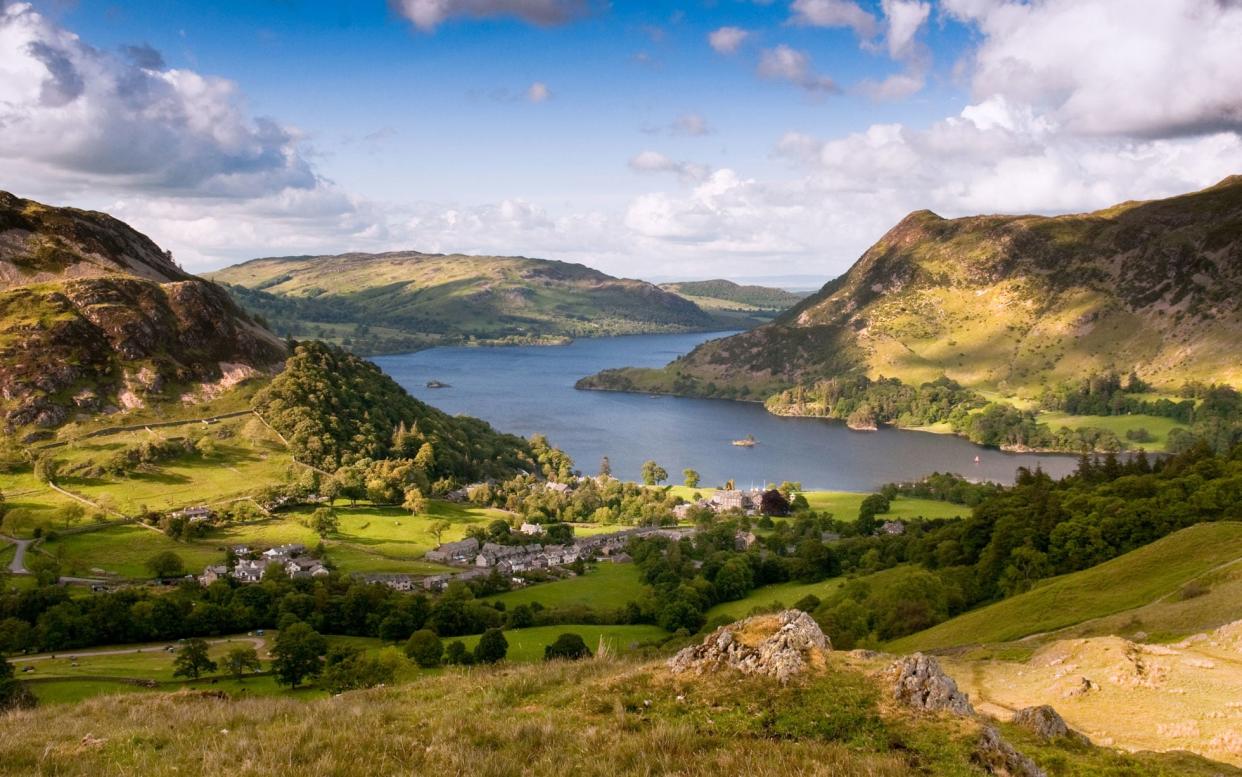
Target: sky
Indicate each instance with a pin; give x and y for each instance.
(663, 140)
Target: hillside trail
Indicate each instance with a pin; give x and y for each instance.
(260, 644)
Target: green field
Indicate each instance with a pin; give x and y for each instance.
(1119, 425)
(605, 586)
(528, 644)
(844, 504)
(123, 551)
(1133, 580)
(236, 469)
(765, 597)
(29, 503)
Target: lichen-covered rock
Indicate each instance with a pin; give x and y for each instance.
(918, 681)
(1045, 722)
(999, 757)
(780, 645)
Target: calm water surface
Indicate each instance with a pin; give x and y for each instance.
(524, 390)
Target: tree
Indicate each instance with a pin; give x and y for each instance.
(456, 653)
(13, 694)
(166, 564)
(323, 521)
(690, 478)
(773, 502)
(492, 647)
(567, 646)
(241, 659)
(424, 648)
(415, 502)
(653, 474)
(438, 528)
(605, 468)
(192, 660)
(298, 654)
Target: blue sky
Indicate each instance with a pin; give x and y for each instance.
(652, 152)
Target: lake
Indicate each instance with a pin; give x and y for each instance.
(529, 389)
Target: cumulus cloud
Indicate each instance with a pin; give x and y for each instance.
(727, 40)
(834, 13)
(655, 162)
(1107, 67)
(903, 19)
(789, 64)
(691, 124)
(70, 111)
(429, 14)
(538, 92)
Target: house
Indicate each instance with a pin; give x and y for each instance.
(744, 540)
(560, 488)
(461, 552)
(395, 581)
(532, 529)
(893, 527)
(240, 550)
(247, 571)
(682, 511)
(435, 582)
(731, 500)
(458, 495)
(305, 566)
(194, 514)
(282, 552)
(213, 573)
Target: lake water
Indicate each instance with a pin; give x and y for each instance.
(530, 389)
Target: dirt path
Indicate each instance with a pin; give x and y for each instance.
(18, 565)
(259, 643)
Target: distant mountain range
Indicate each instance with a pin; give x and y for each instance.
(1006, 304)
(94, 316)
(726, 295)
(387, 302)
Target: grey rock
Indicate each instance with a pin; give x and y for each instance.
(1046, 723)
(999, 757)
(781, 645)
(919, 682)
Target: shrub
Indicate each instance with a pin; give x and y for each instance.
(567, 646)
(424, 648)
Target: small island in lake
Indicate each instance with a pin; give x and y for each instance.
(437, 384)
(748, 441)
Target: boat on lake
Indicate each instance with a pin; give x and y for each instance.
(437, 384)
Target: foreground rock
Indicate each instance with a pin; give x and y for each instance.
(999, 757)
(1046, 723)
(781, 645)
(919, 682)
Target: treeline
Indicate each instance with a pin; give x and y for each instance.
(863, 402)
(336, 409)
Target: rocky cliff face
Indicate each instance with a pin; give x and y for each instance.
(95, 317)
(1009, 303)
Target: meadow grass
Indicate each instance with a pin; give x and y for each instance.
(1158, 426)
(24, 494)
(844, 504)
(123, 551)
(527, 645)
(604, 586)
(769, 596)
(1135, 579)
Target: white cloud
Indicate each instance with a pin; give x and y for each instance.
(727, 40)
(71, 112)
(691, 124)
(903, 19)
(895, 87)
(834, 13)
(429, 14)
(788, 64)
(1154, 69)
(538, 92)
(655, 162)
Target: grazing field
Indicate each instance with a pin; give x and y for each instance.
(123, 551)
(30, 504)
(528, 644)
(844, 504)
(248, 456)
(604, 586)
(768, 596)
(1160, 569)
(1158, 426)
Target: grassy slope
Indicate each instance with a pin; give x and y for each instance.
(605, 586)
(465, 296)
(1126, 582)
(526, 645)
(1119, 424)
(589, 718)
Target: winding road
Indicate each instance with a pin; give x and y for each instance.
(18, 565)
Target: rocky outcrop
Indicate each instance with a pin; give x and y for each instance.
(94, 317)
(999, 757)
(1046, 723)
(919, 682)
(781, 646)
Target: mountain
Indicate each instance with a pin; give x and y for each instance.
(94, 316)
(1007, 304)
(399, 300)
(749, 304)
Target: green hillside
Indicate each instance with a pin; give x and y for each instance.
(1158, 570)
(394, 301)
